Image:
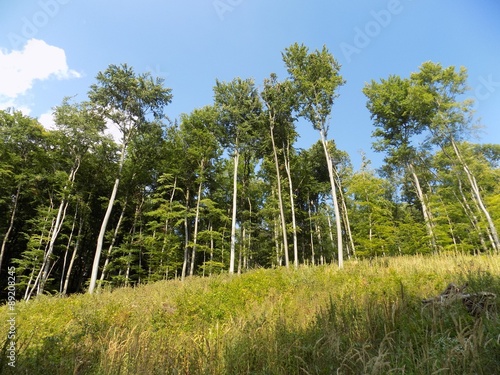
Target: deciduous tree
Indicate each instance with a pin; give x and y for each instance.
(316, 78)
(128, 101)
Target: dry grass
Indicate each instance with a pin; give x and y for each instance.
(364, 319)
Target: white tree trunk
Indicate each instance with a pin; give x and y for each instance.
(280, 200)
(68, 244)
(112, 244)
(102, 232)
(311, 230)
(61, 215)
(425, 209)
(232, 255)
(163, 247)
(195, 234)
(346, 218)
(73, 257)
(30, 289)
(334, 197)
(471, 215)
(186, 239)
(11, 224)
(477, 195)
(292, 206)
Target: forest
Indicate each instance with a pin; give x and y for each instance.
(225, 189)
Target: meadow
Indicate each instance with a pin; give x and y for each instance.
(367, 318)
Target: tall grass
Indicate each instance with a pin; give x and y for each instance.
(364, 319)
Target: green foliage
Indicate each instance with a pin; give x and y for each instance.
(239, 113)
(125, 97)
(315, 77)
(371, 214)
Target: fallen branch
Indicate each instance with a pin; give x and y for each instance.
(475, 303)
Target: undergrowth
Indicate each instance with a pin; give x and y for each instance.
(364, 319)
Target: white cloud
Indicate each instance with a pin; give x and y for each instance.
(10, 103)
(38, 61)
(113, 131)
(47, 120)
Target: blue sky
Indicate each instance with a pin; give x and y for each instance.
(54, 48)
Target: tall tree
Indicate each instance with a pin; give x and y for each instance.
(128, 101)
(316, 79)
(199, 133)
(278, 99)
(397, 120)
(449, 119)
(239, 109)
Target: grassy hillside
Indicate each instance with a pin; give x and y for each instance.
(365, 319)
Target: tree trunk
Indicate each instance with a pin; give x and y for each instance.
(36, 283)
(102, 232)
(425, 209)
(280, 199)
(241, 247)
(477, 195)
(317, 228)
(11, 224)
(195, 234)
(73, 257)
(330, 232)
(292, 205)
(276, 241)
(167, 221)
(186, 239)
(210, 228)
(112, 244)
(310, 229)
(346, 218)
(61, 214)
(132, 232)
(471, 215)
(70, 238)
(334, 197)
(232, 255)
(249, 246)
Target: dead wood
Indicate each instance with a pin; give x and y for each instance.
(476, 303)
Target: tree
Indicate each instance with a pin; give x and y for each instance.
(428, 104)
(128, 101)
(278, 98)
(239, 109)
(449, 120)
(398, 119)
(200, 136)
(316, 77)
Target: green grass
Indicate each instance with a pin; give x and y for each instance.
(364, 319)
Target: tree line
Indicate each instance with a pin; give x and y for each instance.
(224, 188)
